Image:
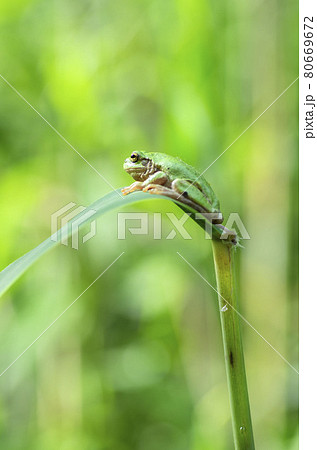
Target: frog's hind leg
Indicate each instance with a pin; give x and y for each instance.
(186, 189)
(174, 195)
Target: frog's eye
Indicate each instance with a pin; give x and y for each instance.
(134, 157)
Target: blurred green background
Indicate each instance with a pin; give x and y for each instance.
(137, 361)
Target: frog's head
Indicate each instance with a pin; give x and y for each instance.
(139, 165)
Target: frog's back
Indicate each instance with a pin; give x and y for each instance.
(177, 168)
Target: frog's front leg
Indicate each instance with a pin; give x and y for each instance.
(158, 178)
(136, 186)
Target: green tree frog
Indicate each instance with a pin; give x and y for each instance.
(158, 173)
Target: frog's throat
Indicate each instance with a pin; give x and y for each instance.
(141, 173)
(137, 173)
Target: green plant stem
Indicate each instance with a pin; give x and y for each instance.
(234, 359)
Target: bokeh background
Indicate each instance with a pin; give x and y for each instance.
(137, 361)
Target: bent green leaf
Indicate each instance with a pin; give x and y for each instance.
(107, 203)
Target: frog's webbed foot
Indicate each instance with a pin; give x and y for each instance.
(136, 186)
(231, 235)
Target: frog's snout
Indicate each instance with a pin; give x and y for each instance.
(129, 167)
